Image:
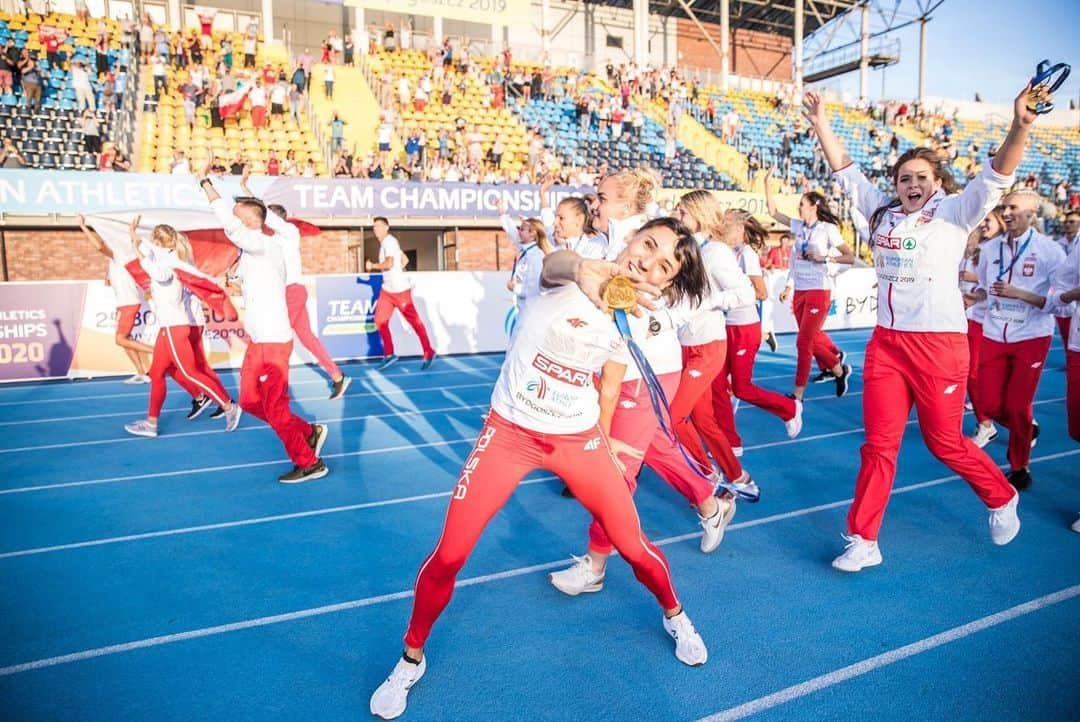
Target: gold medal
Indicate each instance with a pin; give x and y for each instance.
(620, 294)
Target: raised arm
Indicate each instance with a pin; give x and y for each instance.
(770, 201)
(94, 239)
(1011, 151)
(835, 154)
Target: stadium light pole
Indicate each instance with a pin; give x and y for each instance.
(268, 20)
(864, 51)
(641, 33)
(922, 59)
(545, 13)
(798, 50)
(725, 45)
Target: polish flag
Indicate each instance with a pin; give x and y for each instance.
(229, 104)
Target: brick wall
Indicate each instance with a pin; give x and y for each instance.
(753, 54)
(62, 255)
(476, 250)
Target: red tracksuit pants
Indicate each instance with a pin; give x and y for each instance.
(296, 296)
(974, 337)
(384, 309)
(264, 393)
(178, 353)
(1064, 325)
(742, 347)
(692, 408)
(811, 308)
(1072, 392)
(1008, 378)
(634, 423)
(504, 453)
(930, 371)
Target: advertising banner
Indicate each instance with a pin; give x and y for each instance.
(39, 329)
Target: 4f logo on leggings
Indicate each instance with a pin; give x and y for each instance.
(472, 462)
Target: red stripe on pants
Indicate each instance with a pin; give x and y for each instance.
(1008, 378)
(296, 296)
(974, 337)
(692, 408)
(634, 423)
(811, 309)
(504, 453)
(175, 355)
(1072, 392)
(264, 393)
(743, 343)
(384, 309)
(928, 370)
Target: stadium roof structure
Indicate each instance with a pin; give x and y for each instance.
(770, 16)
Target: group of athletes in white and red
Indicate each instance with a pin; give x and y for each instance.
(275, 300)
(569, 398)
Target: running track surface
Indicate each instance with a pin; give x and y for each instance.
(175, 579)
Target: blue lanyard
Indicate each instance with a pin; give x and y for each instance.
(524, 252)
(660, 405)
(1002, 270)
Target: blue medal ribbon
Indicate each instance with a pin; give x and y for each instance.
(1002, 270)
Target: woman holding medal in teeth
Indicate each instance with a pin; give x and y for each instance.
(547, 413)
(918, 352)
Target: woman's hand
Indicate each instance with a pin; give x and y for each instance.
(593, 277)
(621, 448)
(814, 109)
(1005, 290)
(785, 294)
(1021, 112)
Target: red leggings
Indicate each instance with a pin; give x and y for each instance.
(811, 308)
(504, 453)
(928, 370)
(1072, 392)
(974, 337)
(296, 296)
(384, 309)
(1008, 378)
(178, 353)
(692, 408)
(264, 393)
(1064, 324)
(743, 343)
(635, 424)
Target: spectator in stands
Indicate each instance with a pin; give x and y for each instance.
(498, 148)
(30, 76)
(195, 50)
(158, 71)
(8, 68)
(146, 37)
(236, 167)
(390, 41)
(731, 127)
(349, 50)
(10, 157)
(289, 166)
(277, 100)
(189, 110)
(206, 26)
(670, 150)
(257, 97)
(406, 35)
(180, 164)
(91, 131)
(753, 164)
(337, 133)
(310, 171)
(306, 61)
(343, 165)
(328, 81)
(385, 137)
(251, 44)
(273, 165)
(80, 81)
(52, 39)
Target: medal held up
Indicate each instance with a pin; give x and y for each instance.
(1047, 79)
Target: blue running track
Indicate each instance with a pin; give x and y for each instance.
(175, 579)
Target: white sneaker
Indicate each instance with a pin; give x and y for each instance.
(392, 696)
(1076, 525)
(1034, 433)
(689, 646)
(578, 578)
(142, 427)
(859, 554)
(716, 524)
(232, 417)
(138, 379)
(738, 451)
(968, 406)
(984, 434)
(794, 425)
(1004, 523)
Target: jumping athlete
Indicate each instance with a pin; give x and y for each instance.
(395, 294)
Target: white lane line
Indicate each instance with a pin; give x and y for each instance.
(370, 378)
(436, 495)
(369, 601)
(228, 467)
(245, 522)
(254, 427)
(882, 660)
(140, 410)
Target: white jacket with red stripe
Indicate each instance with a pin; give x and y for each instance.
(916, 255)
(1028, 263)
(1066, 279)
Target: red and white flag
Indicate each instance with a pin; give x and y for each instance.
(230, 104)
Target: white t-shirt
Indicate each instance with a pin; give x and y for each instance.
(394, 279)
(123, 285)
(916, 255)
(168, 297)
(546, 384)
(289, 236)
(1066, 279)
(750, 264)
(1027, 264)
(729, 288)
(819, 239)
(977, 311)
